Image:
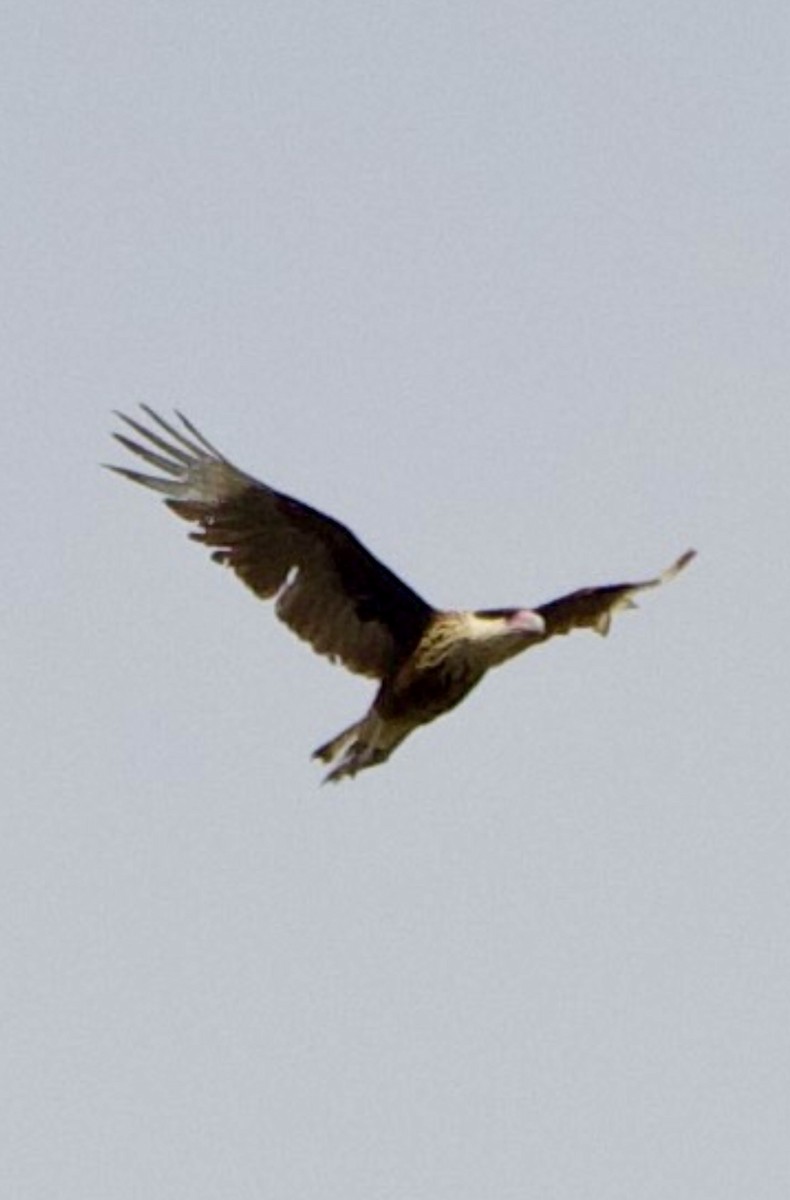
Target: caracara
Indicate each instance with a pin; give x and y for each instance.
(331, 591)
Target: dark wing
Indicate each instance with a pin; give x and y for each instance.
(329, 589)
(593, 608)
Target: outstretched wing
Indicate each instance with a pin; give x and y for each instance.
(593, 608)
(329, 589)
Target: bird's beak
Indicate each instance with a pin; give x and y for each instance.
(526, 621)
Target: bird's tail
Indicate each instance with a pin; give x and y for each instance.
(365, 744)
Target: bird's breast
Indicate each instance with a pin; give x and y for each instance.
(421, 692)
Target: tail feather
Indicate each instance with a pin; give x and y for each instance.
(337, 744)
(365, 744)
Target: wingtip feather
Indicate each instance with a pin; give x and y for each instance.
(679, 565)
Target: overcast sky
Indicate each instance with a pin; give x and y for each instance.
(504, 286)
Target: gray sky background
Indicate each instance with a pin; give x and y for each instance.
(505, 287)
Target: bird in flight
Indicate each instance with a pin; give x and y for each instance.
(331, 591)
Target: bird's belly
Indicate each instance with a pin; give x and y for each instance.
(422, 696)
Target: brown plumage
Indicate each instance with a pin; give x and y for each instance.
(331, 591)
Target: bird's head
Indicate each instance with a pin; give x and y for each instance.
(499, 633)
(506, 622)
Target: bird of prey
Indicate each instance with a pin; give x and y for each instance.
(331, 591)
